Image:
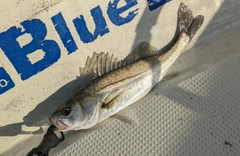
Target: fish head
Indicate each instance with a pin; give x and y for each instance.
(77, 113)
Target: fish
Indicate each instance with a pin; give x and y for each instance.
(118, 84)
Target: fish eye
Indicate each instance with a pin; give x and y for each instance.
(66, 111)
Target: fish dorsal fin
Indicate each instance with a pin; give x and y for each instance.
(142, 51)
(100, 64)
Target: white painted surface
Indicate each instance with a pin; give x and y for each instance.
(26, 107)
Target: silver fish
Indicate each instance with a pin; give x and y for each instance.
(117, 86)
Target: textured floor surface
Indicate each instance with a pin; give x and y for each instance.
(200, 116)
(194, 113)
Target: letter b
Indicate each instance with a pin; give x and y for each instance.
(18, 55)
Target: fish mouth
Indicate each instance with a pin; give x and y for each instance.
(58, 124)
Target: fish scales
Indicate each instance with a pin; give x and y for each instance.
(111, 92)
(129, 73)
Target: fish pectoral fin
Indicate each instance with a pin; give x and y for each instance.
(170, 75)
(112, 98)
(127, 115)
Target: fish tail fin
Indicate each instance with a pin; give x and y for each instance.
(186, 21)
